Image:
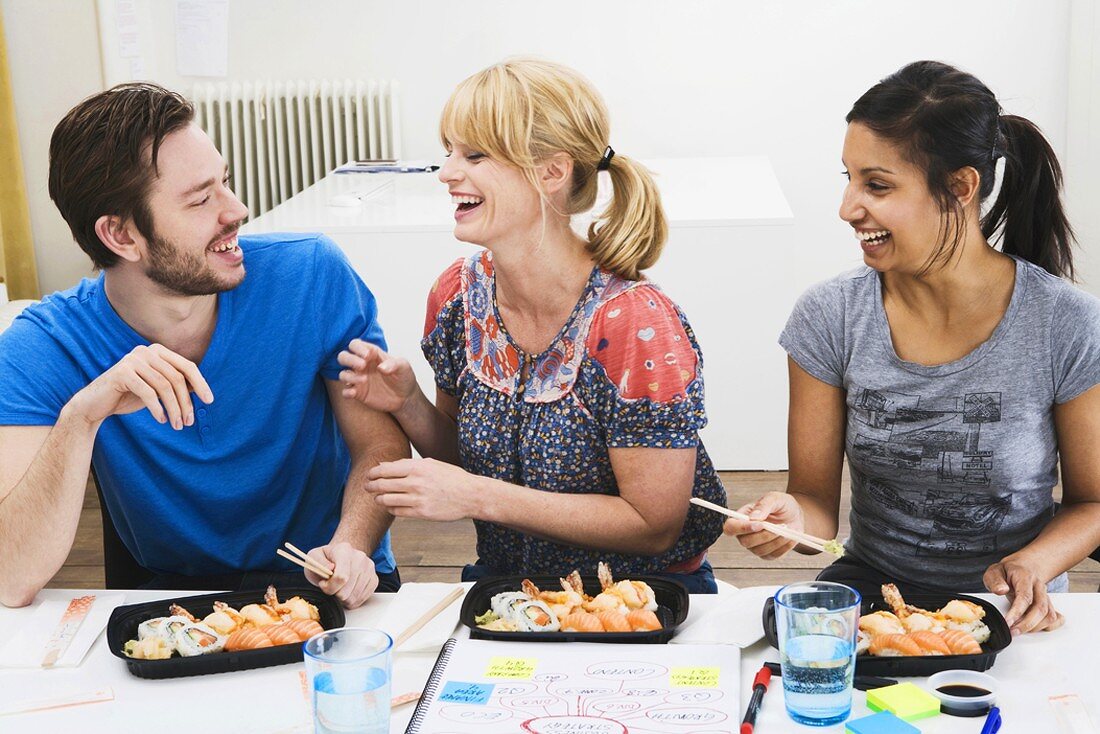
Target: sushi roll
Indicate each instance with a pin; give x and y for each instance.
(198, 639)
(502, 604)
(534, 616)
(168, 629)
(151, 628)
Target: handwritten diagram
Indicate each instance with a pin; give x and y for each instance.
(539, 696)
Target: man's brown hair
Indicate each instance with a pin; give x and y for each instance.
(98, 160)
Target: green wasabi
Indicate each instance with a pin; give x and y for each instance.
(489, 616)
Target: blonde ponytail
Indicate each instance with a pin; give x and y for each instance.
(523, 111)
(629, 235)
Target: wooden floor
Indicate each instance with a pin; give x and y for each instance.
(429, 551)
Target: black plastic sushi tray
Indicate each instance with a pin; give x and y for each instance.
(671, 597)
(123, 626)
(923, 665)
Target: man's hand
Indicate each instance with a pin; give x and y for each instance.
(152, 377)
(353, 577)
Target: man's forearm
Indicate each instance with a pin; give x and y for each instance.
(39, 516)
(363, 521)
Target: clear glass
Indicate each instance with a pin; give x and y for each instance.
(349, 671)
(817, 622)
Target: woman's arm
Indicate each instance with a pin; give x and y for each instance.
(815, 449)
(386, 383)
(1074, 532)
(432, 429)
(646, 517)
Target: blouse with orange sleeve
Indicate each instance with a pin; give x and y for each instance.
(624, 371)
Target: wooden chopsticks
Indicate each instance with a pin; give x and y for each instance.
(810, 541)
(405, 698)
(305, 561)
(427, 616)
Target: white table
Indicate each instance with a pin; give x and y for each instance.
(1030, 670)
(726, 263)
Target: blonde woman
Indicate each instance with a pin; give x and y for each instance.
(569, 391)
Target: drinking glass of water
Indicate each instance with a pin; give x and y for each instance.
(817, 623)
(349, 671)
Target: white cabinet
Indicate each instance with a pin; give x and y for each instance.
(726, 263)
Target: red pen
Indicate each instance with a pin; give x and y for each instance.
(759, 687)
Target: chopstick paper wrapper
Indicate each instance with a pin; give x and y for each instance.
(66, 629)
(56, 702)
(52, 636)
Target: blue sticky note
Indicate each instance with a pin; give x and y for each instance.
(475, 693)
(881, 723)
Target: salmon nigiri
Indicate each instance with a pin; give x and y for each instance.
(250, 638)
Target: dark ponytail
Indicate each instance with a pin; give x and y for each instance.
(1028, 210)
(944, 119)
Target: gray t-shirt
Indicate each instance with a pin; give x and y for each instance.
(953, 465)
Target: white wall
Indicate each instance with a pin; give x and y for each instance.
(1082, 155)
(53, 55)
(692, 77)
(681, 78)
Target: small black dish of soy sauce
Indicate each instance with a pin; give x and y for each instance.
(964, 692)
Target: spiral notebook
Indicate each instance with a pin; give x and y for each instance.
(485, 687)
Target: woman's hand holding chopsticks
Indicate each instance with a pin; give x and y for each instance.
(772, 526)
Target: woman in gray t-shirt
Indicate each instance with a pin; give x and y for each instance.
(953, 375)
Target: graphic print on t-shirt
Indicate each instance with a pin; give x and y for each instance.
(934, 447)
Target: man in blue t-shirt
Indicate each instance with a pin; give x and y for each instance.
(207, 402)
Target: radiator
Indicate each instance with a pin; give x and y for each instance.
(280, 137)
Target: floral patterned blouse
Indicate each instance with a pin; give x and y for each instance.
(625, 371)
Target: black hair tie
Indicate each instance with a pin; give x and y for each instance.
(605, 162)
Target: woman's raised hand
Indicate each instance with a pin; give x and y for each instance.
(375, 378)
(775, 507)
(1031, 608)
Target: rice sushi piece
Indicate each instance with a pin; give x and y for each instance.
(534, 616)
(151, 628)
(170, 627)
(502, 604)
(198, 639)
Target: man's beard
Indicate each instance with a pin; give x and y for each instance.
(184, 272)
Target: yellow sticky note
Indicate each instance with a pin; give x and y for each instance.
(511, 668)
(694, 677)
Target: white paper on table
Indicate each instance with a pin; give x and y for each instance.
(28, 648)
(736, 620)
(411, 602)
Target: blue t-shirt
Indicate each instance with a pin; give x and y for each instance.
(265, 462)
